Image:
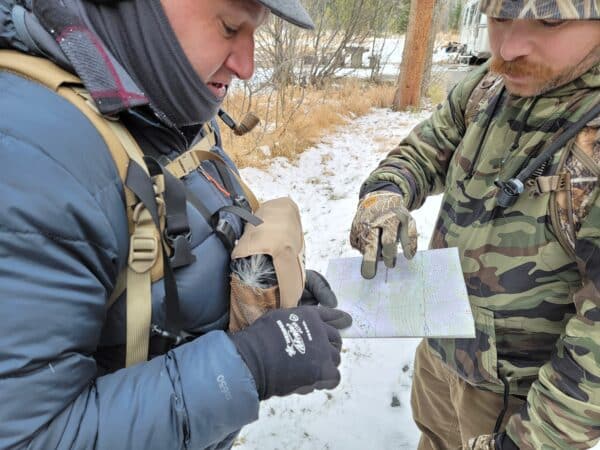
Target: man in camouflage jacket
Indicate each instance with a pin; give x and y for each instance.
(531, 377)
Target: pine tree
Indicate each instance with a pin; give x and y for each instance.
(415, 55)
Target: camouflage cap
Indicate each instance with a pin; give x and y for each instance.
(541, 9)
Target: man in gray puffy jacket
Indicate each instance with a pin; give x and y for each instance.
(162, 68)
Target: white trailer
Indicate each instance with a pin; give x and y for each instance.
(475, 46)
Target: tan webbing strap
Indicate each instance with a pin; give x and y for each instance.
(136, 279)
(50, 75)
(553, 183)
(183, 165)
(37, 69)
(144, 250)
(144, 265)
(129, 144)
(131, 152)
(209, 140)
(190, 161)
(204, 144)
(118, 146)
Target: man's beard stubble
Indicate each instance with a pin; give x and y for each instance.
(543, 77)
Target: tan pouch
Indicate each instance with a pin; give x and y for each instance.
(280, 236)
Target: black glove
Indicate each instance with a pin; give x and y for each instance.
(317, 291)
(292, 350)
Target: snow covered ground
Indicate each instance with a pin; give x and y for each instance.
(370, 409)
(388, 51)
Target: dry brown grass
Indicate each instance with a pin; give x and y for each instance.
(447, 36)
(297, 119)
(437, 92)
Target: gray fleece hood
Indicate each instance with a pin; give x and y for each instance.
(125, 53)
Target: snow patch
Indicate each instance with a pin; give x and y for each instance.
(371, 406)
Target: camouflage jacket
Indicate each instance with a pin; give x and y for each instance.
(532, 270)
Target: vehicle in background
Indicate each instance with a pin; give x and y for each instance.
(474, 44)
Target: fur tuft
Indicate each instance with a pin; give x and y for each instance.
(256, 271)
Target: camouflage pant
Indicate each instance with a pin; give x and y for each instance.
(449, 411)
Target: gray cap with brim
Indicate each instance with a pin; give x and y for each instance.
(291, 11)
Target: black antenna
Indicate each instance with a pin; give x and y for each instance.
(246, 125)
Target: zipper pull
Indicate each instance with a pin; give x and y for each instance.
(218, 185)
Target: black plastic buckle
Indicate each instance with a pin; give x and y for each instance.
(161, 341)
(182, 249)
(242, 202)
(226, 233)
(509, 192)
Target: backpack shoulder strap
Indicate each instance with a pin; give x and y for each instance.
(209, 138)
(189, 161)
(144, 265)
(70, 87)
(487, 87)
(40, 70)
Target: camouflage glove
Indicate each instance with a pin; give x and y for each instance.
(381, 221)
(483, 442)
(498, 441)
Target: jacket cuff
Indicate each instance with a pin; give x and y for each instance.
(217, 387)
(381, 186)
(406, 186)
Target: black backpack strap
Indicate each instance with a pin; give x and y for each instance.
(141, 184)
(511, 189)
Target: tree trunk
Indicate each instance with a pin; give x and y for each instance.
(414, 55)
(436, 22)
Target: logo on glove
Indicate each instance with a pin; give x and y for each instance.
(292, 334)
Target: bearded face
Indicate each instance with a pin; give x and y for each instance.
(535, 56)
